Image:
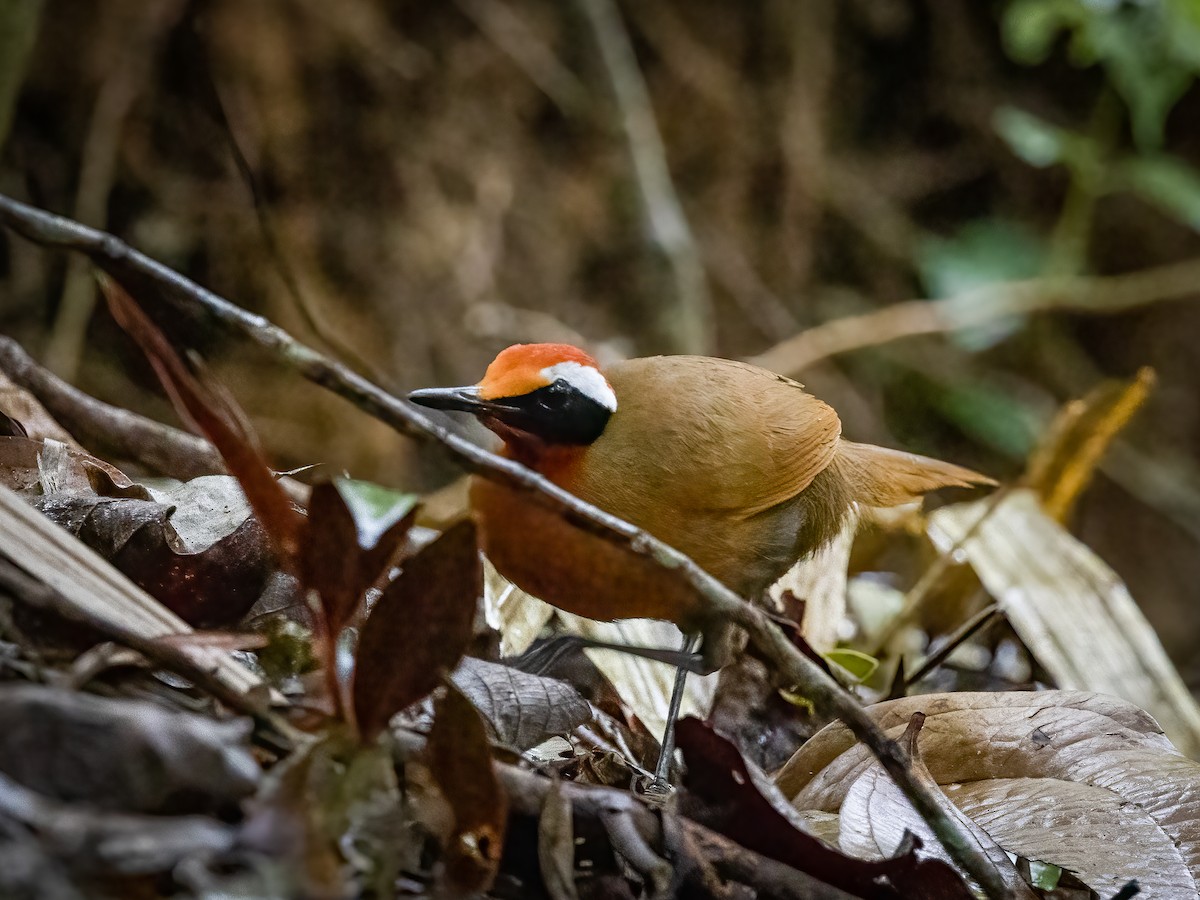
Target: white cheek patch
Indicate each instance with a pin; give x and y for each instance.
(585, 379)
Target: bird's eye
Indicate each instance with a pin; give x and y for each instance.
(552, 398)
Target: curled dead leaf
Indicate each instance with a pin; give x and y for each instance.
(1085, 781)
(186, 556)
(1069, 608)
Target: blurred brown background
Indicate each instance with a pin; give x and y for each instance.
(412, 186)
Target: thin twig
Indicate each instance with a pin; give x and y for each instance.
(124, 434)
(964, 633)
(627, 839)
(919, 593)
(147, 277)
(982, 306)
(687, 323)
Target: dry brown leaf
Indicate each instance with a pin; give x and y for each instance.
(27, 410)
(1063, 465)
(729, 796)
(199, 552)
(1085, 781)
(35, 466)
(1070, 609)
(876, 818)
(521, 710)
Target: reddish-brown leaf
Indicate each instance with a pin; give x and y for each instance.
(333, 560)
(210, 587)
(418, 629)
(730, 802)
(460, 760)
(340, 559)
(213, 414)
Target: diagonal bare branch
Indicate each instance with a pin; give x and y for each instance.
(143, 275)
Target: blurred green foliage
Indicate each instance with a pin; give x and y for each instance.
(1149, 49)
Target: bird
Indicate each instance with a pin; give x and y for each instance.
(735, 466)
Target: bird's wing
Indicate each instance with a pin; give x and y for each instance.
(714, 434)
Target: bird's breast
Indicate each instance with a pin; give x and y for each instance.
(572, 569)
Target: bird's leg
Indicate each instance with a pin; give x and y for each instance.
(662, 780)
(539, 660)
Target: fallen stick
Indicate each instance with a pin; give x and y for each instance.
(166, 450)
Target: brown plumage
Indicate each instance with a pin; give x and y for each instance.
(735, 466)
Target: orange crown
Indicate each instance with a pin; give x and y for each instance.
(518, 369)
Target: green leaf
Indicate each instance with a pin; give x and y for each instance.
(1184, 34)
(1150, 50)
(798, 701)
(992, 416)
(1135, 52)
(982, 252)
(1031, 138)
(1167, 182)
(1044, 875)
(375, 508)
(861, 665)
(1031, 26)
(987, 251)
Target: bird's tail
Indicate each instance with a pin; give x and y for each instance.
(881, 477)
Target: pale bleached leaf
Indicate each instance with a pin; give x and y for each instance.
(1070, 608)
(556, 844)
(207, 508)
